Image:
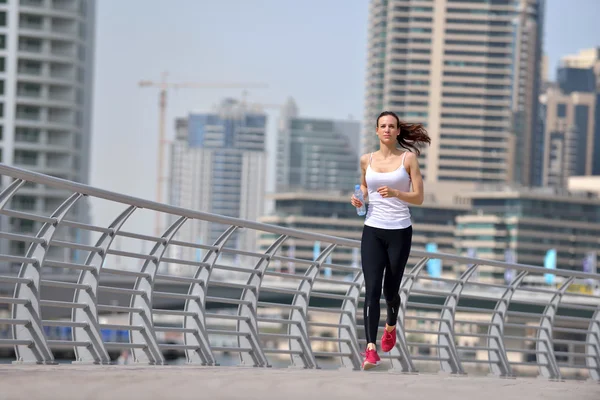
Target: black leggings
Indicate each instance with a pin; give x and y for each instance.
(383, 250)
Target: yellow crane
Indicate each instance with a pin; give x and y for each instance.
(164, 86)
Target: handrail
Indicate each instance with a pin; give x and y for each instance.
(266, 303)
(86, 190)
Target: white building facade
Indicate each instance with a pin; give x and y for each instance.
(219, 166)
(46, 75)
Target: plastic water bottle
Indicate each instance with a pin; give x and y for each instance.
(359, 195)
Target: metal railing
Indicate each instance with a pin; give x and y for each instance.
(273, 306)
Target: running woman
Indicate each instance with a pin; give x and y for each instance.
(387, 177)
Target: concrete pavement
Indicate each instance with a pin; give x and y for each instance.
(67, 382)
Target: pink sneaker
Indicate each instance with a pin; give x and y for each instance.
(388, 340)
(371, 360)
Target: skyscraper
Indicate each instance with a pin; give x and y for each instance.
(581, 72)
(218, 165)
(316, 154)
(469, 70)
(568, 135)
(46, 75)
(570, 141)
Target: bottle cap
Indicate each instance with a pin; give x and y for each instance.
(356, 187)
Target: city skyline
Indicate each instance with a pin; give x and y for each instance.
(126, 117)
(469, 72)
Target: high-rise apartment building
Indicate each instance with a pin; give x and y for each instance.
(469, 70)
(581, 72)
(46, 75)
(316, 154)
(218, 165)
(568, 135)
(569, 140)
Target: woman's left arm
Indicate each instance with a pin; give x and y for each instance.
(416, 195)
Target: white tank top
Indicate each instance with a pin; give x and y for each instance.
(387, 212)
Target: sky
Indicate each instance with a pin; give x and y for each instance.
(311, 50)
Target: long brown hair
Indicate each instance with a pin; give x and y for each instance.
(411, 136)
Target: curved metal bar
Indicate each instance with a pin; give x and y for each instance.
(299, 314)
(10, 191)
(499, 364)
(545, 343)
(87, 190)
(199, 338)
(39, 352)
(449, 360)
(347, 331)
(400, 353)
(95, 353)
(592, 346)
(249, 310)
(150, 354)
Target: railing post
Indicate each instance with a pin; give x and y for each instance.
(446, 338)
(299, 314)
(151, 353)
(39, 352)
(249, 310)
(592, 346)
(545, 343)
(96, 353)
(203, 355)
(498, 358)
(400, 353)
(349, 342)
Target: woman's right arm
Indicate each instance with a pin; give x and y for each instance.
(364, 163)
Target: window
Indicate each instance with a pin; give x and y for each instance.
(28, 112)
(30, 21)
(29, 135)
(26, 89)
(26, 203)
(26, 157)
(30, 44)
(32, 3)
(30, 67)
(561, 110)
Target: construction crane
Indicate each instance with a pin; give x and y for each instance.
(164, 86)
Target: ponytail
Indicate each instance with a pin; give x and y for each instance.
(411, 136)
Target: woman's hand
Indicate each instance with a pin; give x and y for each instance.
(355, 202)
(387, 192)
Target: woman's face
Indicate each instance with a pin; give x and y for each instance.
(387, 129)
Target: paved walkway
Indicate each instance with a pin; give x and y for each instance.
(66, 382)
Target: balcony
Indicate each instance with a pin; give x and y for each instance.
(29, 113)
(31, 45)
(65, 5)
(29, 90)
(32, 3)
(64, 26)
